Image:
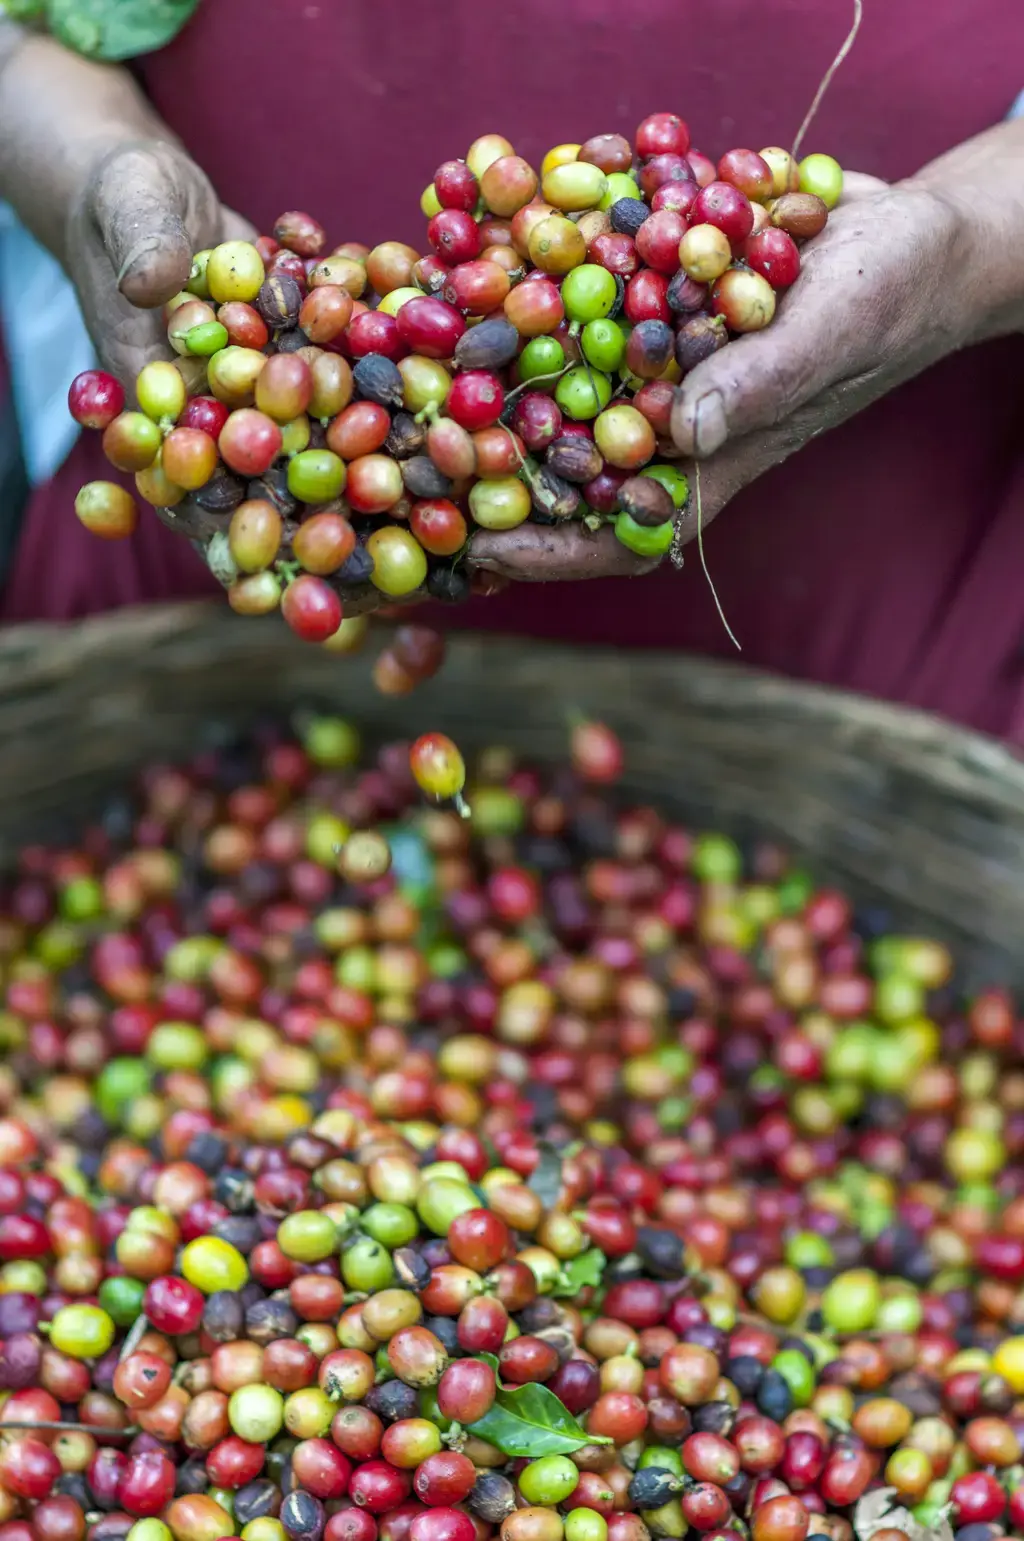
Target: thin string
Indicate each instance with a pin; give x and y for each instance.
(858, 12)
(700, 551)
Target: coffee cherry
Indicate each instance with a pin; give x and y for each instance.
(249, 442)
(106, 510)
(254, 535)
(802, 215)
(438, 526)
(189, 457)
(662, 134)
(316, 476)
(555, 243)
(311, 608)
(437, 766)
(95, 399)
(131, 442)
(744, 300)
(234, 271)
(399, 562)
(704, 253)
(456, 187)
(161, 391)
(300, 233)
(323, 543)
(774, 255)
(822, 177)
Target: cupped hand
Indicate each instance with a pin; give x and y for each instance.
(131, 234)
(877, 301)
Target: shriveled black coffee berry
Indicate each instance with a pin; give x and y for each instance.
(714, 1418)
(234, 1189)
(224, 1316)
(774, 1397)
(393, 1401)
(412, 1269)
(746, 1373)
(654, 1486)
(407, 436)
(272, 487)
(191, 1477)
(448, 584)
(207, 1150)
(302, 1516)
(357, 566)
(446, 1329)
(422, 478)
(540, 1313)
(222, 493)
(574, 459)
(255, 1500)
(279, 301)
(663, 1252)
(491, 345)
(649, 349)
(628, 214)
(646, 501)
(269, 1319)
(492, 1497)
(378, 379)
(685, 295)
(553, 496)
(697, 339)
(242, 1232)
(291, 341)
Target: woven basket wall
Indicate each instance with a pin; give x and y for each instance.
(900, 808)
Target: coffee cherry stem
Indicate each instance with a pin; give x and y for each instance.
(60, 1426)
(530, 385)
(134, 1337)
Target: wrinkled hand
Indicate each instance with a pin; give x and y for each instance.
(131, 234)
(875, 303)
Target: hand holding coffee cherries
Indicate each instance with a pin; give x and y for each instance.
(339, 430)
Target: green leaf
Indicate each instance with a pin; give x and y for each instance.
(546, 1177)
(531, 1421)
(22, 10)
(586, 1269)
(115, 30)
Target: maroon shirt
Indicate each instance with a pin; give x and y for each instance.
(887, 556)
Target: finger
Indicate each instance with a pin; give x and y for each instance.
(760, 379)
(139, 205)
(858, 185)
(235, 228)
(126, 339)
(536, 553)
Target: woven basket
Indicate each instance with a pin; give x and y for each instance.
(902, 809)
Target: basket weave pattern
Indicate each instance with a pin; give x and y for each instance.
(900, 808)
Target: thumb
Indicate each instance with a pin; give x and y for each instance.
(759, 380)
(139, 205)
(756, 382)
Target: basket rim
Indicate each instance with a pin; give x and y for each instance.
(32, 652)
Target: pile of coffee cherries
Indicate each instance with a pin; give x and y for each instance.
(337, 422)
(566, 1176)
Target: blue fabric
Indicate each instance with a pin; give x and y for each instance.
(46, 346)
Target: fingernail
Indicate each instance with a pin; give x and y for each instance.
(144, 248)
(710, 429)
